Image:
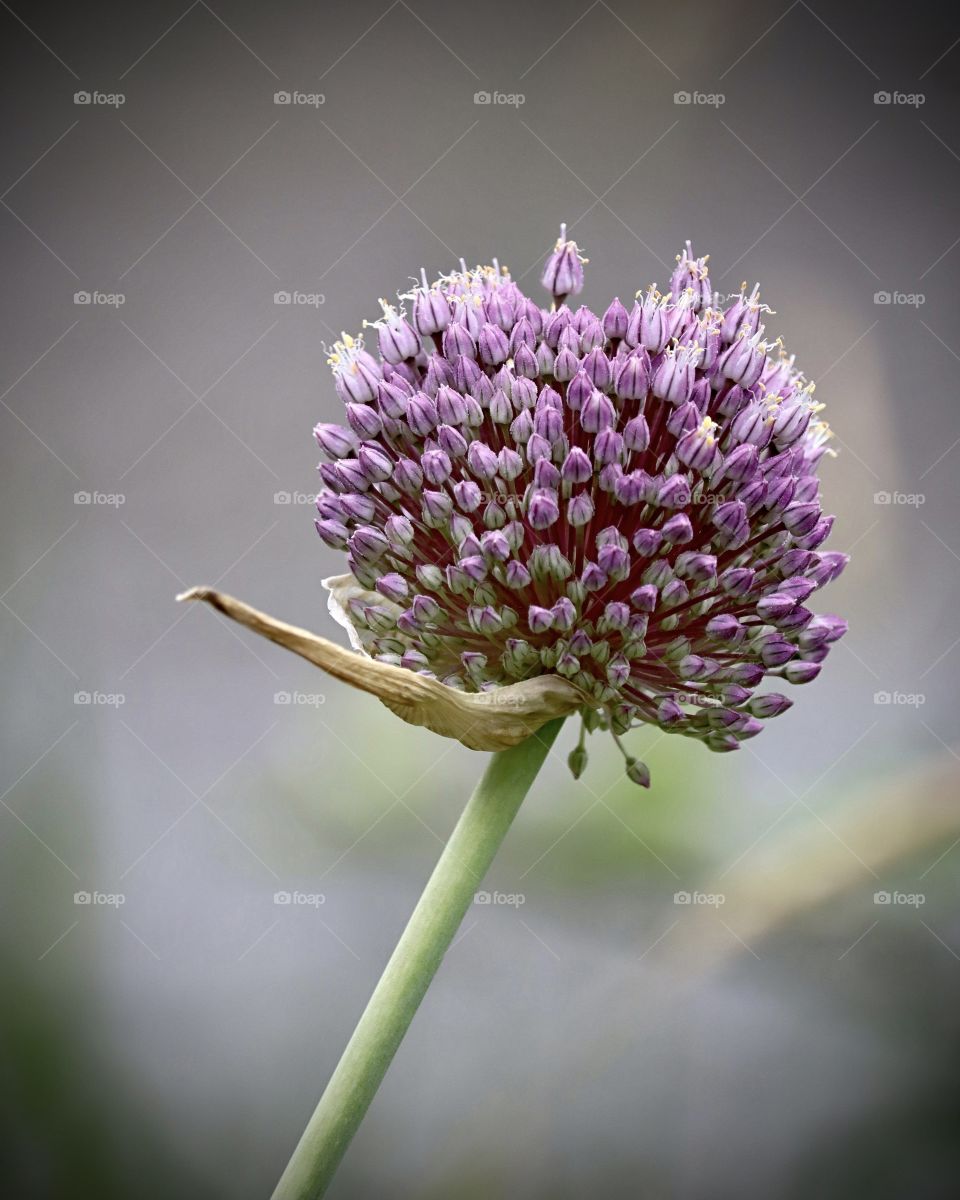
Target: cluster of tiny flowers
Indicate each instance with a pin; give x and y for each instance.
(628, 500)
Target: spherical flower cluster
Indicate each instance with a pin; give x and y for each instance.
(629, 500)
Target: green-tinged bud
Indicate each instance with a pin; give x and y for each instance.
(677, 649)
(577, 761)
(484, 594)
(593, 719)
(601, 653)
(638, 772)
(568, 665)
(430, 576)
(576, 592)
(493, 516)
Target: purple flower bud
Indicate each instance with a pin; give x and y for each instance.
(376, 464)
(526, 363)
(801, 672)
(729, 516)
(773, 606)
(597, 412)
(694, 565)
(546, 475)
(677, 529)
(396, 337)
(393, 586)
(493, 345)
(629, 489)
(608, 447)
(548, 423)
(615, 321)
(644, 598)
(334, 440)
(636, 434)
(422, 414)
(698, 449)
(431, 310)
(741, 464)
(577, 467)
(564, 614)
(436, 466)
(437, 508)
(618, 671)
(653, 332)
(539, 619)
(752, 425)
(334, 533)
(580, 510)
(614, 561)
(522, 334)
(775, 650)
(482, 460)
(770, 705)
(457, 341)
(500, 310)
(817, 536)
(737, 581)
(673, 376)
(351, 474)
(791, 423)
(593, 577)
(563, 272)
(801, 519)
(647, 542)
(368, 544)
(674, 492)
(542, 510)
(633, 375)
(516, 575)
(724, 627)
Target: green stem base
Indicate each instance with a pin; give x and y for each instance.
(413, 964)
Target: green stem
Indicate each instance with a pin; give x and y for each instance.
(413, 964)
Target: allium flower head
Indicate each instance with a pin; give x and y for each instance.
(627, 499)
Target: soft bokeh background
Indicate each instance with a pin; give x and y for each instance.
(599, 1039)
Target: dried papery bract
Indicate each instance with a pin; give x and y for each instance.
(481, 721)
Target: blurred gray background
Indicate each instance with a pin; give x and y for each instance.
(171, 1036)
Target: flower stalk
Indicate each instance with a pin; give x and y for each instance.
(413, 964)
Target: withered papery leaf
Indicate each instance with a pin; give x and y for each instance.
(491, 720)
